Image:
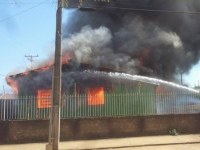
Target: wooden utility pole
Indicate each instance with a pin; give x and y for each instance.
(54, 125)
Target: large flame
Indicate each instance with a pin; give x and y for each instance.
(96, 96)
(44, 99)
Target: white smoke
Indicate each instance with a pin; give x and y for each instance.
(87, 42)
(170, 38)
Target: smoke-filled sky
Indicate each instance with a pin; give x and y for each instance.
(157, 44)
(137, 42)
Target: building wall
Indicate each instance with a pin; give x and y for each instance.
(95, 128)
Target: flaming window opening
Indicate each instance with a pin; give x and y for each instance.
(44, 99)
(96, 96)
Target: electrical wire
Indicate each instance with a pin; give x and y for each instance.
(96, 8)
(140, 9)
(24, 3)
(23, 11)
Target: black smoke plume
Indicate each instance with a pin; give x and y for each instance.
(152, 43)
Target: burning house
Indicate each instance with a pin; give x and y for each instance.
(112, 50)
(88, 87)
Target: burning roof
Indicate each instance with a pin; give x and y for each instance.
(41, 78)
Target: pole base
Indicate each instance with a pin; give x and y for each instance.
(49, 147)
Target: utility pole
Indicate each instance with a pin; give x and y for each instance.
(30, 58)
(54, 124)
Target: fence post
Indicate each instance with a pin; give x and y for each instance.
(4, 110)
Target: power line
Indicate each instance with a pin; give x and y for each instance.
(139, 9)
(98, 8)
(23, 11)
(95, 8)
(25, 3)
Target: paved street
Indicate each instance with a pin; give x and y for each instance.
(165, 147)
(180, 142)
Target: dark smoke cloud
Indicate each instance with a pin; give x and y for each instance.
(137, 42)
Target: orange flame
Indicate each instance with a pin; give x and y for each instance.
(44, 99)
(66, 57)
(96, 96)
(13, 83)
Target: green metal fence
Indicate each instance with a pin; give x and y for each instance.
(121, 104)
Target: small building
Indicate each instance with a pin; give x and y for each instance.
(99, 90)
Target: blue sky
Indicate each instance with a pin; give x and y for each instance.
(27, 27)
(193, 77)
